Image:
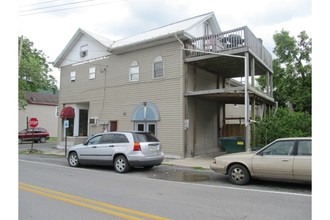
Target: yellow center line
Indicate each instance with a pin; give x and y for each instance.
(88, 203)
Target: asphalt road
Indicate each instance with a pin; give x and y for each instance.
(50, 189)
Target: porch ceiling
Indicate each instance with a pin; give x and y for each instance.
(231, 96)
(225, 66)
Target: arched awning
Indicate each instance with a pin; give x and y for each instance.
(146, 111)
(67, 112)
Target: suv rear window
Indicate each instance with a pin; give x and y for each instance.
(146, 137)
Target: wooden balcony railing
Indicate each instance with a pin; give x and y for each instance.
(229, 40)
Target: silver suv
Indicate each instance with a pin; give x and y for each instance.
(122, 150)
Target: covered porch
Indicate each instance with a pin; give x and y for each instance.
(228, 56)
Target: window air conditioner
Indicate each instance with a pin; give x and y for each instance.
(83, 53)
(93, 121)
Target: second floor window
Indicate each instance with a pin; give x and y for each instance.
(134, 72)
(158, 67)
(73, 76)
(92, 73)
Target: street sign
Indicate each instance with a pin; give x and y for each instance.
(33, 122)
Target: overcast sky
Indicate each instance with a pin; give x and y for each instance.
(50, 24)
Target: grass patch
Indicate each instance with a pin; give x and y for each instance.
(52, 139)
(31, 151)
(199, 168)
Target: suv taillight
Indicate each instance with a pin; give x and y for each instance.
(137, 146)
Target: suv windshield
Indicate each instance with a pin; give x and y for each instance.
(146, 137)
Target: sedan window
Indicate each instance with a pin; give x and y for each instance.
(280, 148)
(304, 148)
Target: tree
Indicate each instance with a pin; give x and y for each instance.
(283, 123)
(33, 71)
(292, 71)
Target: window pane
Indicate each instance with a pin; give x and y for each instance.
(158, 69)
(304, 148)
(134, 71)
(92, 71)
(140, 127)
(152, 128)
(120, 138)
(107, 138)
(73, 76)
(95, 140)
(280, 148)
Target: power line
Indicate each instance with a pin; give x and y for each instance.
(39, 3)
(54, 6)
(70, 8)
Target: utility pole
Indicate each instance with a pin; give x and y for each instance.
(20, 50)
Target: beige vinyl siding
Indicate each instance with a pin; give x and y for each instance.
(111, 96)
(165, 93)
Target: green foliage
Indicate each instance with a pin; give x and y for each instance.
(33, 71)
(283, 123)
(292, 71)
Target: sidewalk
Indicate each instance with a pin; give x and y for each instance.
(202, 161)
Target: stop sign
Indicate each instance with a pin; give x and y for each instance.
(33, 122)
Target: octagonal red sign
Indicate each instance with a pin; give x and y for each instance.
(33, 122)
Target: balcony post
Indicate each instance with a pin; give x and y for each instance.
(247, 105)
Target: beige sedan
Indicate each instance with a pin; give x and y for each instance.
(285, 159)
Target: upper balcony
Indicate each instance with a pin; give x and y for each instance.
(232, 42)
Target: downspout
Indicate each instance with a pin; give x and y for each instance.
(184, 101)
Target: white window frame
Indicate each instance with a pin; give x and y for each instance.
(158, 60)
(146, 126)
(84, 48)
(92, 72)
(73, 76)
(134, 72)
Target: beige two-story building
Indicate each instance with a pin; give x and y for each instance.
(174, 81)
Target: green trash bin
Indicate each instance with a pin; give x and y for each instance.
(232, 144)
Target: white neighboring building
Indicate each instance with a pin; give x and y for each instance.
(44, 107)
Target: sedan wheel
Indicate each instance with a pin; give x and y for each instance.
(73, 159)
(238, 175)
(121, 164)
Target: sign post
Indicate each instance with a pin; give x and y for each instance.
(66, 125)
(33, 123)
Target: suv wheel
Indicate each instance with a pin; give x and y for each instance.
(121, 164)
(73, 159)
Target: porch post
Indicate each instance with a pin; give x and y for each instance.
(247, 105)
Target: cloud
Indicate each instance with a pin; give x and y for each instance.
(117, 19)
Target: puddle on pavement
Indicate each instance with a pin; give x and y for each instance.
(181, 177)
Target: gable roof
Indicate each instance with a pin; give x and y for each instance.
(180, 27)
(104, 42)
(38, 98)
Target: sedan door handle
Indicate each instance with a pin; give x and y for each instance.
(285, 160)
(111, 145)
(94, 147)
